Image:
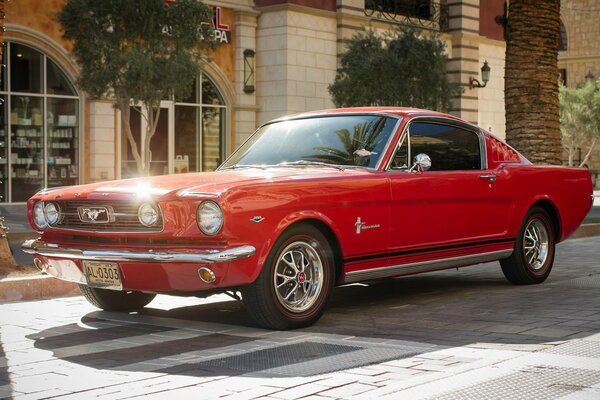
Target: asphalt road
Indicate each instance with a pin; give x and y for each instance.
(456, 334)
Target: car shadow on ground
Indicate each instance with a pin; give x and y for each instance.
(374, 322)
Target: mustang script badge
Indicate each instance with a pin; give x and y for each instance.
(361, 225)
(94, 215)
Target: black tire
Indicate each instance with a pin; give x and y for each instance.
(531, 261)
(313, 277)
(114, 300)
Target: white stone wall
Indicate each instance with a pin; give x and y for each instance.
(491, 98)
(245, 108)
(102, 141)
(296, 61)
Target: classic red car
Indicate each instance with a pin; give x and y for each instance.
(309, 202)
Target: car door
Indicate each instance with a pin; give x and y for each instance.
(450, 209)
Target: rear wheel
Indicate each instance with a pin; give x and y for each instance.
(114, 300)
(295, 283)
(533, 257)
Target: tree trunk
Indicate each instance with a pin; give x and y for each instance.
(531, 80)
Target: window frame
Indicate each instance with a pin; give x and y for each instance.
(445, 121)
(45, 97)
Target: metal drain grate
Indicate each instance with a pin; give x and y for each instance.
(278, 356)
(298, 359)
(539, 382)
(592, 281)
(578, 348)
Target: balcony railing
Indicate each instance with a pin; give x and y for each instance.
(427, 14)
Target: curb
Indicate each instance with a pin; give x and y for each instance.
(35, 288)
(586, 231)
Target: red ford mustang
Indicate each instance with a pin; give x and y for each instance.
(310, 202)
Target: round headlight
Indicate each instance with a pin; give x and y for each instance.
(209, 218)
(147, 214)
(52, 213)
(39, 217)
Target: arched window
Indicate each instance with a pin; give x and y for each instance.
(200, 128)
(189, 137)
(39, 124)
(562, 41)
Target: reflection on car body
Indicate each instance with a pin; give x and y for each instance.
(309, 202)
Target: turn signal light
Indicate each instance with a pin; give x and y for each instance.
(206, 275)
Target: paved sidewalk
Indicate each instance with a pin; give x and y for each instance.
(449, 335)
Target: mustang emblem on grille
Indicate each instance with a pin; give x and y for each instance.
(94, 215)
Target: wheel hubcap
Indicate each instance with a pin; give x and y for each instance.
(536, 244)
(298, 277)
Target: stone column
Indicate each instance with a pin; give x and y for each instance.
(464, 56)
(246, 108)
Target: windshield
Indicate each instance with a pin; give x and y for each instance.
(345, 140)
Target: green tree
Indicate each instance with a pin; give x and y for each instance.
(140, 52)
(400, 68)
(580, 119)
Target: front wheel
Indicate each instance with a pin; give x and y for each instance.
(114, 300)
(295, 283)
(533, 257)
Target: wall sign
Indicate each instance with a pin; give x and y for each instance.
(222, 31)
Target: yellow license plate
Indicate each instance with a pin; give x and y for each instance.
(104, 275)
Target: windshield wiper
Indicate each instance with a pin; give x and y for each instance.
(236, 166)
(304, 163)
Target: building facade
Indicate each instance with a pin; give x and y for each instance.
(274, 57)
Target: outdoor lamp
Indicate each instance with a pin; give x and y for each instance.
(589, 77)
(249, 71)
(485, 77)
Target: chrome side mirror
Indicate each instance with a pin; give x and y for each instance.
(421, 162)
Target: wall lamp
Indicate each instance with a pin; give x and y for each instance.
(485, 77)
(589, 77)
(249, 71)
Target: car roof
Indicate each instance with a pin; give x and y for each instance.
(397, 111)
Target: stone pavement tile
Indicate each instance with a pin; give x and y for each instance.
(337, 379)
(258, 392)
(348, 391)
(6, 391)
(46, 394)
(551, 332)
(298, 392)
(507, 328)
(365, 371)
(288, 382)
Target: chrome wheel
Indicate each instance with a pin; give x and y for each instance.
(298, 277)
(535, 244)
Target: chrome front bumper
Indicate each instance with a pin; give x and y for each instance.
(207, 257)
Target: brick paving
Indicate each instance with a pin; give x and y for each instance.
(456, 334)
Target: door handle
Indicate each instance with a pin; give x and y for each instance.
(491, 178)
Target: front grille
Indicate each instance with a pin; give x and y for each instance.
(123, 218)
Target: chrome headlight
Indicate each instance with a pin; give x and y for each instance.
(209, 218)
(39, 217)
(52, 213)
(147, 214)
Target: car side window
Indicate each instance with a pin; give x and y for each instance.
(449, 147)
(400, 160)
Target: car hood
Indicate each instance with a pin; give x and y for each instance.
(205, 183)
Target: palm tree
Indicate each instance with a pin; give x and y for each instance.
(358, 146)
(531, 80)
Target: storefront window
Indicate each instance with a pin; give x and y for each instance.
(3, 150)
(39, 126)
(200, 129)
(27, 146)
(25, 69)
(63, 150)
(189, 137)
